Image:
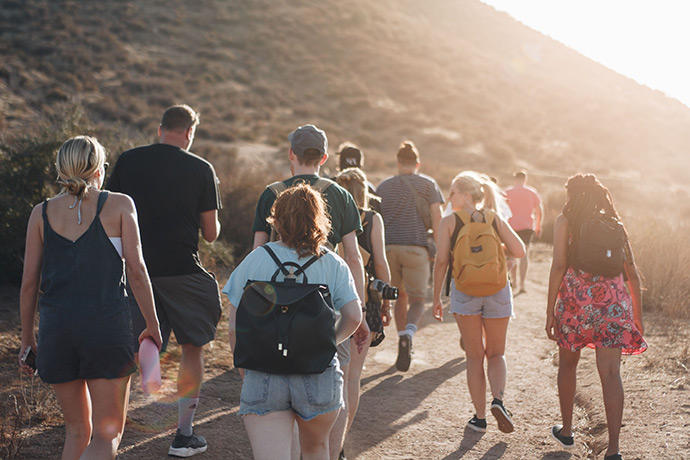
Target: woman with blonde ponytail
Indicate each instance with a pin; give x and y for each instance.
(76, 245)
(482, 320)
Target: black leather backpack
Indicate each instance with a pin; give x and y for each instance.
(285, 327)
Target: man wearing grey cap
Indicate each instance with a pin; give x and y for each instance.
(308, 151)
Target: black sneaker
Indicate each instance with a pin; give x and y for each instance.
(614, 457)
(342, 455)
(502, 416)
(566, 441)
(404, 353)
(477, 424)
(186, 446)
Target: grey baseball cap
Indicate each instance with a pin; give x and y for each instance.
(308, 137)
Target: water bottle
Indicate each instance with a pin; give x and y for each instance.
(149, 366)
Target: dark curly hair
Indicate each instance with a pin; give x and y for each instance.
(587, 198)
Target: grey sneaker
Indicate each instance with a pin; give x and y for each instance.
(567, 442)
(186, 446)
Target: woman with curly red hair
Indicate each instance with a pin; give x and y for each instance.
(271, 403)
(589, 309)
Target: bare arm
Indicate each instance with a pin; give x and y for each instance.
(559, 265)
(260, 238)
(353, 259)
(210, 226)
(350, 319)
(538, 215)
(634, 286)
(435, 218)
(514, 246)
(137, 275)
(232, 331)
(31, 279)
(445, 230)
(381, 268)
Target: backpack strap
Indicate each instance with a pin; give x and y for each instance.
(277, 187)
(459, 223)
(322, 184)
(282, 265)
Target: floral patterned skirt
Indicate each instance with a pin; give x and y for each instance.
(596, 311)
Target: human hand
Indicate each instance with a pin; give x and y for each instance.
(386, 315)
(438, 310)
(361, 335)
(28, 370)
(551, 326)
(537, 233)
(155, 333)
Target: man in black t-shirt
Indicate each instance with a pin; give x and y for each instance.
(176, 194)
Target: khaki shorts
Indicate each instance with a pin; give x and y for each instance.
(409, 268)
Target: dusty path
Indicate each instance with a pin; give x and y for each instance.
(421, 414)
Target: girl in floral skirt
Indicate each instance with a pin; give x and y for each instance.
(584, 309)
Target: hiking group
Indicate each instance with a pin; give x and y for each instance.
(110, 269)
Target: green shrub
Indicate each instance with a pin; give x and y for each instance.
(27, 177)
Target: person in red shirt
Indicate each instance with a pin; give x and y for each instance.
(526, 207)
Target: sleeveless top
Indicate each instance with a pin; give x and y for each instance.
(81, 279)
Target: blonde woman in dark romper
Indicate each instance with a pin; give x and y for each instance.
(73, 269)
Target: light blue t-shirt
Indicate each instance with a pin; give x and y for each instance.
(330, 270)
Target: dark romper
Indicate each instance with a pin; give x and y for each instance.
(85, 327)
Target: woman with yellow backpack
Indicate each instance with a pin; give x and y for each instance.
(475, 241)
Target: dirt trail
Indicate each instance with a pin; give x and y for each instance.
(421, 414)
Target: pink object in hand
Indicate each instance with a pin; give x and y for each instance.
(149, 366)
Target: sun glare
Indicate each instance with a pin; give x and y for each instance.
(646, 41)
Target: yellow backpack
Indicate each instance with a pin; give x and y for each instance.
(478, 259)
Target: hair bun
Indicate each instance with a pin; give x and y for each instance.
(74, 186)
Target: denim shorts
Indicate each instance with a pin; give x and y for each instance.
(499, 305)
(307, 395)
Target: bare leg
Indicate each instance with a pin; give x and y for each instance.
(471, 329)
(567, 378)
(313, 436)
(336, 438)
(270, 435)
(76, 409)
(495, 330)
(608, 365)
(109, 401)
(354, 379)
(523, 269)
(191, 371)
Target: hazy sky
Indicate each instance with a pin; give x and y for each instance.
(647, 40)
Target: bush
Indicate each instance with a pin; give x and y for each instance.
(27, 177)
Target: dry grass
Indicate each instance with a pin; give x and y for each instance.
(663, 256)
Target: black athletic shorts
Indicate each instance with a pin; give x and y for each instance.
(526, 235)
(189, 305)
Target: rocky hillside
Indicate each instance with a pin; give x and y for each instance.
(470, 85)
